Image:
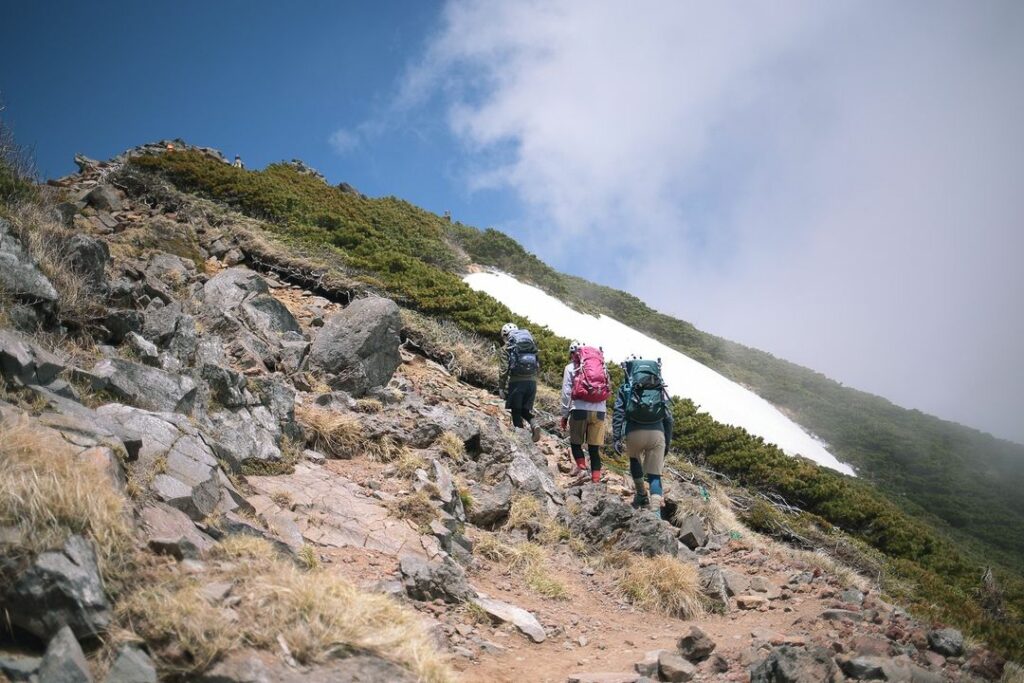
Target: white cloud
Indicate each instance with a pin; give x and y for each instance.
(838, 183)
(343, 141)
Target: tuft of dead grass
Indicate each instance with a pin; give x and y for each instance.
(526, 512)
(662, 584)
(317, 613)
(384, 449)
(408, 462)
(369, 405)
(452, 446)
(334, 434)
(48, 495)
(415, 507)
(1012, 673)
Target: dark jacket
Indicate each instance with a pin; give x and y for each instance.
(621, 426)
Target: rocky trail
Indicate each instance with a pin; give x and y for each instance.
(223, 400)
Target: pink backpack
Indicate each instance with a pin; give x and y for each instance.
(590, 381)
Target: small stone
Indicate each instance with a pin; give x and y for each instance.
(695, 645)
(750, 601)
(946, 641)
(674, 668)
(64, 661)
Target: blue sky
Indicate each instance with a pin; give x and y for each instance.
(836, 183)
(266, 80)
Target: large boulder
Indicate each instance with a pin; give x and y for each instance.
(88, 257)
(948, 642)
(104, 198)
(438, 580)
(23, 361)
(60, 588)
(788, 664)
(358, 346)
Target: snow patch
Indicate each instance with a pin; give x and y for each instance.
(725, 400)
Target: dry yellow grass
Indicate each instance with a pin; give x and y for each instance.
(466, 355)
(526, 512)
(385, 449)
(49, 243)
(452, 446)
(334, 434)
(1013, 673)
(408, 462)
(526, 559)
(48, 495)
(318, 614)
(662, 584)
(369, 405)
(415, 507)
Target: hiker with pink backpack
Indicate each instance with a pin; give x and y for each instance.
(585, 388)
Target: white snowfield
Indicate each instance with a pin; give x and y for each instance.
(725, 400)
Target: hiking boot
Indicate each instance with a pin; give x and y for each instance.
(640, 499)
(596, 476)
(535, 431)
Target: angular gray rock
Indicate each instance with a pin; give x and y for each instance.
(20, 275)
(602, 518)
(691, 532)
(712, 586)
(674, 668)
(517, 616)
(104, 198)
(948, 642)
(170, 531)
(145, 387)
(491, 505)
(60, 588)
(440, 579)
(25, 362)
(358, 346)
(788, 664)
(863, 668)
(88, 257)
(696, 645)
(64, 661)
(248, 666)
(19, 666)
(131, 666)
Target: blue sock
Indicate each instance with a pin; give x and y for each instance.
(636, 470)
(655, 482)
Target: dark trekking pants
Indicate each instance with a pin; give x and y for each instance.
(519, 399)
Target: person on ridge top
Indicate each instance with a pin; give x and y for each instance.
(585, 388)
(517, 379)
(642, 427)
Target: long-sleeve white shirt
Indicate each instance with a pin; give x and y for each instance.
(569, 403)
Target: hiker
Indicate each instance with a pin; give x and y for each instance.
(585, 388)
(517, 381)
(238, 162)
(642, 428)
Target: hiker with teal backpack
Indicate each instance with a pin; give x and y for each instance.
(642, 428)
(517, 378)
(585, 388)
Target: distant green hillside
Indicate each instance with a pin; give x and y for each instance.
(969, 480)
(417, 258)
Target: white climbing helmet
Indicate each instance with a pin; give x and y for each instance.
(575, 346)
(507, 329)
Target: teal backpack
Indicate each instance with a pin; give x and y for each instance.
(645, 402)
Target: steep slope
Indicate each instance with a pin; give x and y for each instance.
(187, 476)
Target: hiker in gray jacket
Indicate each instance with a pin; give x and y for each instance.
(517, 376)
